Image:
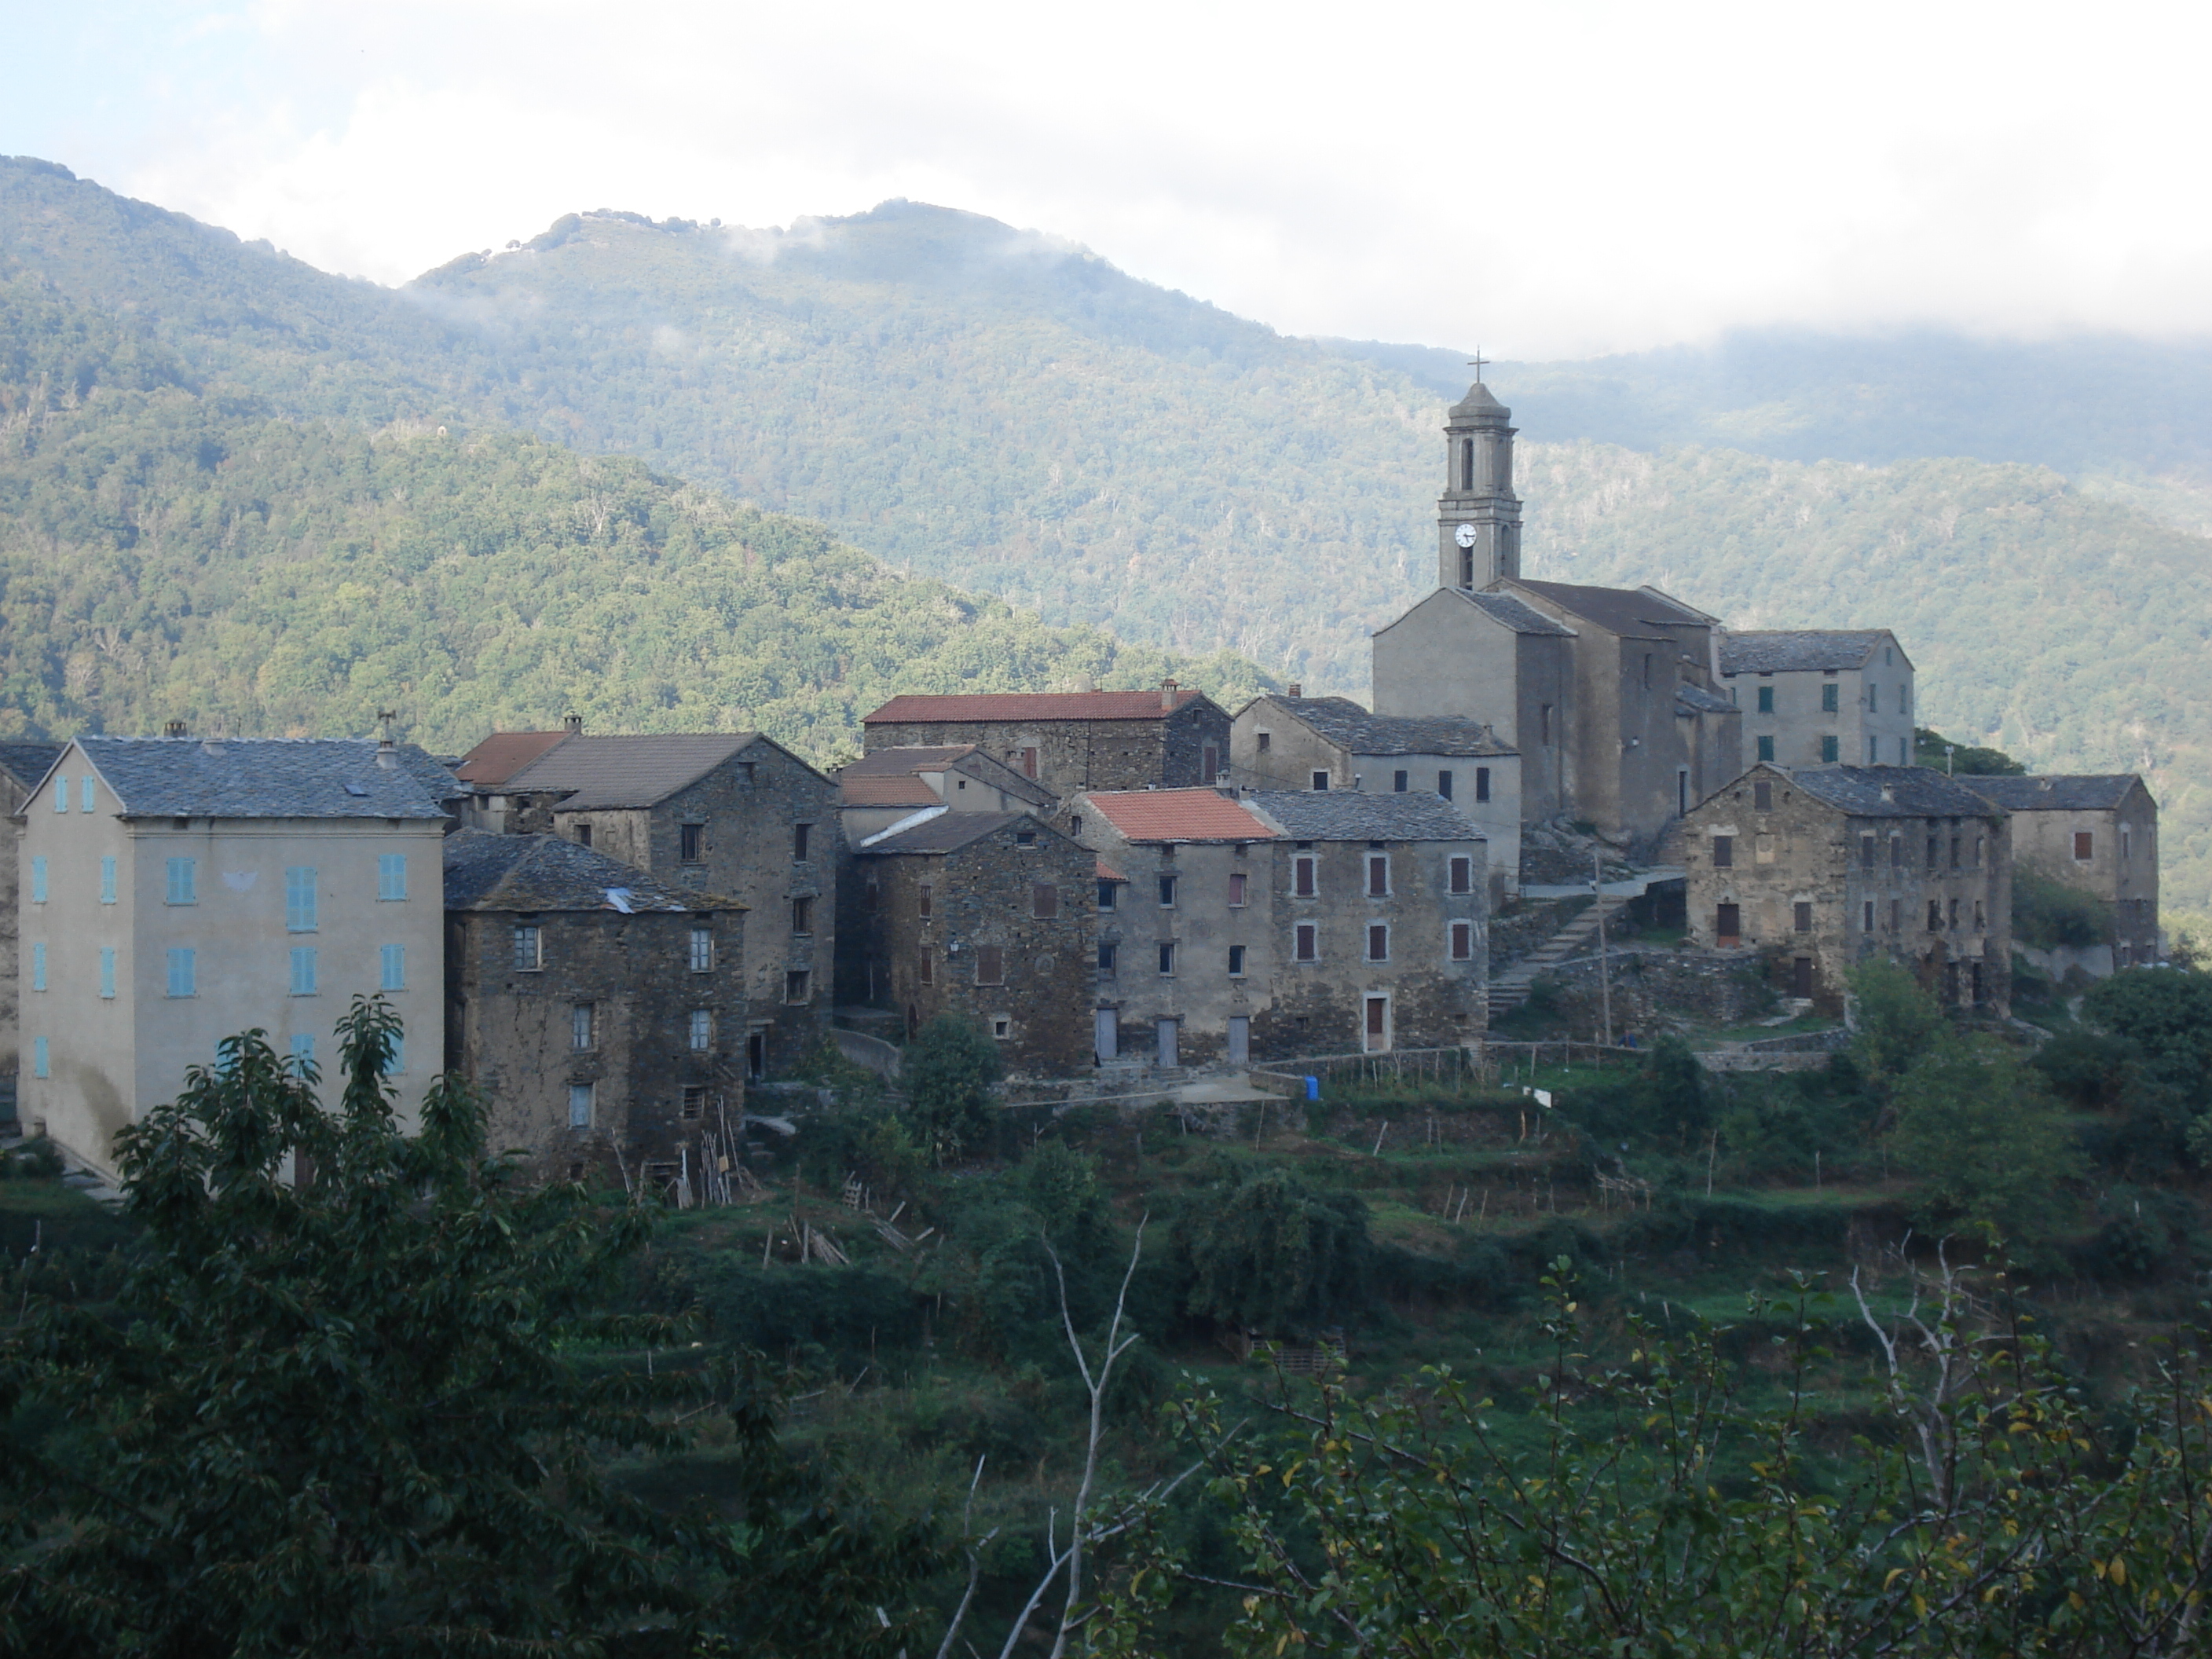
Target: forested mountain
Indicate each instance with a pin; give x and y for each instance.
(1009, 413)
(167, 552)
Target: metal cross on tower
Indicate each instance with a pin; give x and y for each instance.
(1478, 361)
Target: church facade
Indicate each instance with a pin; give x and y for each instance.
(1612, 696)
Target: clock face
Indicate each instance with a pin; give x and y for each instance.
(1466, 537)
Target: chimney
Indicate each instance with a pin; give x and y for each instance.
(387, 754)
(1086, 683)
(1294, 690)
(573, 724)
(173, 729)
(211, 743)
(1889, 793)
(1167, 693)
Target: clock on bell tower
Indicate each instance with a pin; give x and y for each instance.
(1477, 515)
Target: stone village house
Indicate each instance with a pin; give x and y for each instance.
(889, 785)
(1295, 742)
(23, 766)
(1821, 697)
(1275, 924)
(1070, 740)
(598, 1007)
(987, 916)
(1823, 868)
(2099, 834)
(734, 814)
(176, 892)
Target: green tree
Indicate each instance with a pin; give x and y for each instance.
(1272, 1254)
(345, 1413)
(950, 1070)
(1985, 1137)
(1932, 748)
(2165, 1013)
(1898, 1022)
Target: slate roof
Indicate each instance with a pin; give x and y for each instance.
(948, 832)
(29, 763)
(1630, 610)
(1696, 700)
(1518, 615)
(1345, 723)
(917, 710)
(903, 791)
(487, 872)
(1354, 815)
(606, 773)
(1915, 791)
(258, 777)
(2058, 792)
(503, 754)
(1800, 650)
(913, 757)
(1177, 815)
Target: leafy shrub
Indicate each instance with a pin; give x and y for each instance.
(950, 1070)
(1274, 1256)
(2048, 914)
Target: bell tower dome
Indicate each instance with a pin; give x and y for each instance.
(1477, 515)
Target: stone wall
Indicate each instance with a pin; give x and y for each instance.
(1073, 756)
(1658, 990)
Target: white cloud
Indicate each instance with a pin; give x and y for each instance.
(1550, 180)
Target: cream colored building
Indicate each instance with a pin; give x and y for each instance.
(1820, 697)
(174, 892)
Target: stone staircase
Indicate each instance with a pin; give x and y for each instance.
(1509, 987)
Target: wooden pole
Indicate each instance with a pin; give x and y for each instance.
(1604, 971)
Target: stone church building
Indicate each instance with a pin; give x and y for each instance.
(1612, 696)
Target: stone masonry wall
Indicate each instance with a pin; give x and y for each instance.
(1079, 754)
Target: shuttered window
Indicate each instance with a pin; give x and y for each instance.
(299, 899)
(390, 876)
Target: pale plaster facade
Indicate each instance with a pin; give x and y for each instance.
(1821, 697)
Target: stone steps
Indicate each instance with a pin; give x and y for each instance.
(1509, 988)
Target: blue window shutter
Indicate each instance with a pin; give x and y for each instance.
(61, 794)
(38, 966)
(395, 968)
(184, 977)
(299, 899)
(392, 875)
(184, 881)
(398, 1061)
(84, 793)
(107, 970)
(107, 881)
(303, 1048)
(39, 1066)
(38, 881)
(303, 970)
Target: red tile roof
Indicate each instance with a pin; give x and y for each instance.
(1177, 815)
(503, 754)
(1107, 872)
(916, 710)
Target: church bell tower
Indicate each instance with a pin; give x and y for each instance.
(1478, 516)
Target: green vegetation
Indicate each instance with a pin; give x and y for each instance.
(2048, 913)
(1932, 748)
(949, 1071)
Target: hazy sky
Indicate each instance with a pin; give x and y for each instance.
(1547, 179)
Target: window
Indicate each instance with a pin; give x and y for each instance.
(582, 830)
(1954, 851)
(1728, 923)
(1462, 875)
(799, 838)
(1307, 942)
(38, 966)
(2127, 847)
(1978, 848)
(1723, 852)
(690, 843)
(1766, 748)
(702, 950)
(1302, 877)
(1167, 891)
(1934, 915)
(84, 793)
(927, 972)
(1866, 852)
(61, 794)
(107, 970)
(1902, 758)
(303, 1049)
(2084, 846)
(990, 965)
(39, 1064)
(1954, 912)
(1762, 795)
(695, 1100)
(183, 884)
(1801, 916)
(1106, 958)
(1379, 875)
(184, 974)
(1874, 700)
(1897, 915)
(871, 896)
(584, 1026)
(1904, 702)
(1831, 749)
(1167, 959)
(1766, 700)
(1378, 941)
(38, 881)
(1075, 825)
(802, 915)
(107, 881)
(1867, 926)
(1829, 703)
(1873, 751)
(1210, 763)
(1398, 782)
(1025, 838)
(1320, 781)
(1236, 960)
(1482, 784)
(1462, 941)
(1978, 916)
(299, 899)
(303, 970)
(1264, 741)
(391, 966)
(1044, 900)
(1647, 670)
(702, 1030)
(1237, 883)
(925, 897)
(1106, 896)
(529, 949)
(1444, 785)
(580, 1104)
(1028, 763)
(1001, 1026)
(795, 985)
(391, 877)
